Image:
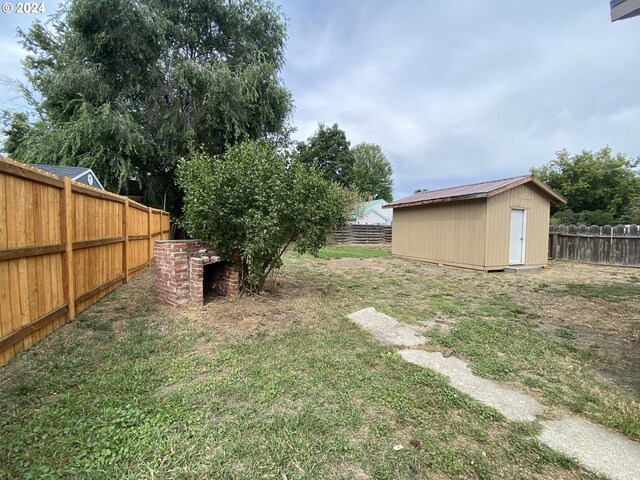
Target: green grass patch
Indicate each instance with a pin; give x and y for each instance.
(612, 292)
(354, 251)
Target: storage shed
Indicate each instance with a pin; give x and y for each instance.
(485, 226)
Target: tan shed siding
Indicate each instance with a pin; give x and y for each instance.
(498, 226)
(451, 233)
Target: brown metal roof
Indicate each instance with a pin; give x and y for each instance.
(475, 190)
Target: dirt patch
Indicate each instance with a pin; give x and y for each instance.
(267, 314)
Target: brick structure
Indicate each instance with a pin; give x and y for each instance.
(184, 274)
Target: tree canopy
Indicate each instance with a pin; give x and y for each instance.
(328, 152)
(372, 172)
(126, 88)
(600, 183)
(253, 203)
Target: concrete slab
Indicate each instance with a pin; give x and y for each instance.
(522, 269)
(597, 448)
(509, 401)
(387, 330)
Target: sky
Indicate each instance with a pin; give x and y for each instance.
(454, 92)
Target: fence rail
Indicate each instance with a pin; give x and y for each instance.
(619, 245)
(63, 246)
(363, 234)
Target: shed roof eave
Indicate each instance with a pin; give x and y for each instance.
(438, 200)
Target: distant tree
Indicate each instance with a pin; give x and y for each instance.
(328, 152)
(586, 217)
(593, 182)
(372, 172)
(16, 128)
(125, 87)
(420, 190)
(253, 203)
(633, 214)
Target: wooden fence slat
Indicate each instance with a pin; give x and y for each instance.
(66, 225)
(150, 231)
(125, 244)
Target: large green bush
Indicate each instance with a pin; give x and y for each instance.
(253, 203)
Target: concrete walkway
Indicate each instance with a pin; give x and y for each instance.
(595, 447)
(508, 400)
(387, 330)
(598, 449)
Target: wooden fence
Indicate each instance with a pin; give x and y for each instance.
(63, 246)
(607, 245)
(363, 234)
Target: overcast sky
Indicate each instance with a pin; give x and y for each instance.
(454, 92)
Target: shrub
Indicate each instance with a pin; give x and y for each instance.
(253, 203)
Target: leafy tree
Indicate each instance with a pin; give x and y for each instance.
(328, 152)
(15, 131)
(372, 171)
(420, 190)
(125, 87)
(586, 217)
(253, 203)
(593, 182)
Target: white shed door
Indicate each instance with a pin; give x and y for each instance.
(516, 237)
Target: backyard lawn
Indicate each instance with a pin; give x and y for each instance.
(284, 386)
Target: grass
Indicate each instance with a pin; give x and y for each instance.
(352, 251)
(135, 390)
(611, 292)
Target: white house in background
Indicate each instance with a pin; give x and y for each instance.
(79, 174)
(371, 213)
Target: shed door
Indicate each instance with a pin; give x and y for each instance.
(516, 238)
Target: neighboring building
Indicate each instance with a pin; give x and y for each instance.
(623, 9)
(79, 174)
(371, 213)
(484, 226)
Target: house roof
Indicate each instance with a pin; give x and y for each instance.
(371, 207)
(63, 170)
(476, 190)
(66, 171)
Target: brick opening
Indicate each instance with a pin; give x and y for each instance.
(187, 271)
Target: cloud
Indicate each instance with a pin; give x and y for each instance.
(469, 91)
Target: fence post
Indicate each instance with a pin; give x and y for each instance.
(125, 244)
(150, 253)
(66, 224)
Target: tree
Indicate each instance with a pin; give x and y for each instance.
(328, 152)
(592, 181)
(253, 203)
(15, 131)
(372, 171)
(127, 87)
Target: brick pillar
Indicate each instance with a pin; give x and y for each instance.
(230, 282)
(172, 269)
(196, 281)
